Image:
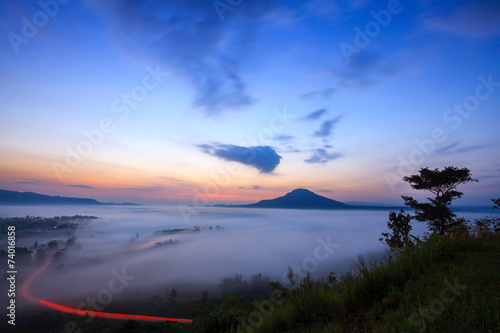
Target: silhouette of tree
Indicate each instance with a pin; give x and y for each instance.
(130, 326)
(400, 224)
(204, 296)
(59, 255)
(40, 255)
(71, 241)
(496, 202)
(52, 244)
(443, 185)
(231, 285)
(172, 297)
(259, 286)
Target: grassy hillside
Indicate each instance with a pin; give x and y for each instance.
(445, 284)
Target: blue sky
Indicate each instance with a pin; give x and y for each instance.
(165, 101)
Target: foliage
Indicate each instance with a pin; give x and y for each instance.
(443, 184)
(256, 287)
(231, 285)
(40, 255)
(52, 244)
(172, 296)
(496, 202)
(400, 224)
(71, 241)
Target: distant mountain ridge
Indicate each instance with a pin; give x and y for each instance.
(304, 199)
(31, 198)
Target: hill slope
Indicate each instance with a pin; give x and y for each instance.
(30, 198)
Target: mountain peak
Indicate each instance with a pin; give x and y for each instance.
(301, 190)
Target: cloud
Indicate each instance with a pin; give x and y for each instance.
(263, 158)
(474, 20)
(283, 138)
(445, 150)
(315, 115)
(81, 186)
(488, 177)
(322, 156)
(28, 183)
(325, 93)
(367, 68)
(191, 38)
(291, 149)
(144, 189)
(449, 149)
(470, 148)
(326, 127)
(256, 187)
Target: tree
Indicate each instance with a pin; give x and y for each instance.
(52, 244)
(172, 297)
(231, 285)
(442, 184)
(496, 202)
(204, 296)
(259, 286)
(400, 225)
(40, 255)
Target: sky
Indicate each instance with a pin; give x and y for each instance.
(203, 102)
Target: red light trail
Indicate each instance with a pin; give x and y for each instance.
(79, 312)
(110, 315)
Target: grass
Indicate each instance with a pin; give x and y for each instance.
(445, 284)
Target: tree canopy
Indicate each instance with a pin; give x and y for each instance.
(443, 184)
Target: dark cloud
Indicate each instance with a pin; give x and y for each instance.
(315, 115)
(27, 183)
(322, 156)
(191, 38)
(263, 158)
(326, 127)
(452, 149)
(81, 186)
(318, 94)
(367, 68)
(256, 187)
(474, 20)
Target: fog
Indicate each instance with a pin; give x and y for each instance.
(248, 241)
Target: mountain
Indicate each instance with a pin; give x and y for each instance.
(304, 199)
(30, 198)
(301, 199)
